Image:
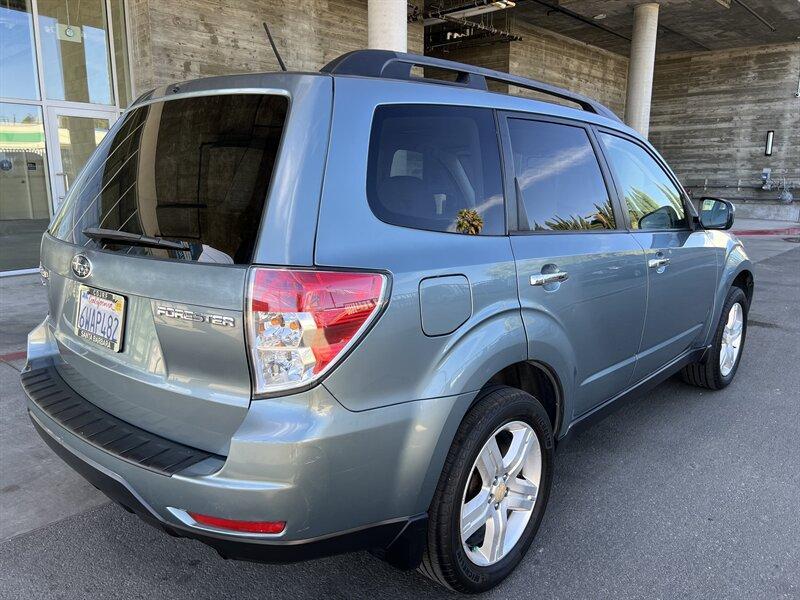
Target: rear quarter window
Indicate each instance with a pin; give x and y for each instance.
(436, 168)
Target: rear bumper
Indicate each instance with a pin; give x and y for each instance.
(53, 396)
(341, 480)
(399, 537)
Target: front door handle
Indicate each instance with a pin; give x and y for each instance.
(657, 263)
(546, 278)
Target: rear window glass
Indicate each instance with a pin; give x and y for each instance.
(193, 172)
(436, 168)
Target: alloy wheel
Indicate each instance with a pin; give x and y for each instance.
(731, 339)
(500, 493)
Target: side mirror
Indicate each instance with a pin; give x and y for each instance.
(716, 213)
(664, 217)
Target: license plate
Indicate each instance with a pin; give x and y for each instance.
(101, 317)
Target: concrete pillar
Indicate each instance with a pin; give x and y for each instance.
(640, 67)
(387, 25)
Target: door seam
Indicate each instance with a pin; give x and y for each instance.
(646, 305)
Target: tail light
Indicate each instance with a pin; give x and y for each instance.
(299, 323)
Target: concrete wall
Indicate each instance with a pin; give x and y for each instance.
(579, 67)
(494, 56)
(711, 113)
(555, 59)
(186, 39)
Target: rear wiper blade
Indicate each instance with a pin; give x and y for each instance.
(133, 239)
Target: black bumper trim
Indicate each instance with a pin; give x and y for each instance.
(599, 413)
(400, 538)
(48, 391)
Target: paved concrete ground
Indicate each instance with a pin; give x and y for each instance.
(686, 493)
(19, 243)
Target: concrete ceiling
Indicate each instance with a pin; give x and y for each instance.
(693, 25)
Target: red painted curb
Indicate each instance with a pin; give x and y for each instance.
(781, 231)
(13, 356)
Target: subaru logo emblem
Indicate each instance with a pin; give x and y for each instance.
(81, 266)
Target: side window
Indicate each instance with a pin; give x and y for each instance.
(559, 177)
(436, 168)
(652, 199)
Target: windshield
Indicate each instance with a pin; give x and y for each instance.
(193, 170)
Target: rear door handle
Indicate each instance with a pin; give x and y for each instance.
(656, 263)
(546, 278)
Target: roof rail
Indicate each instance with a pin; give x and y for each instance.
(398, 65)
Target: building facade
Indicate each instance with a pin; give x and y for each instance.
(64, 77)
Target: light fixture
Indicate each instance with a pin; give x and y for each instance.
(768, 148)
(600, 17)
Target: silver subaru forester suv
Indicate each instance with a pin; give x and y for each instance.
(297, 314)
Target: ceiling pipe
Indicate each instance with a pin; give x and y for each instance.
(482, 27)
(462, 43)
(560, 9)
(469, 9)
(755, 14)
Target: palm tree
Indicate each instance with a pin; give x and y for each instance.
(469, 222)
(602, 219)
(641, 203)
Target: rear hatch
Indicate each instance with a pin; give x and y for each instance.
(148, 259)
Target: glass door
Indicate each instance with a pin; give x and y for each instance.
(24, 185)
(74, 133)
(64, 74)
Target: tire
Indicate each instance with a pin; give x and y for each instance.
(445, 559)
(711, 374)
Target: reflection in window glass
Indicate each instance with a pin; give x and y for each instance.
(77, 139)
(436, 168)
(75, 54)
(652, 199)
(24, 189)
(559, 177)
(17, 58)
(121, 52)
(406, 163)
(191, 170)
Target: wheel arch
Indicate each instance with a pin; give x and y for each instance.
(737, 271)
(744, 280)
(537, 379)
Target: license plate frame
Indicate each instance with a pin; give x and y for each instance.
(107, 305)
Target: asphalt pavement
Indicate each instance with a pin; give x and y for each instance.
(684, 494)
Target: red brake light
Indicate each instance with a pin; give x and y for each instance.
(241, 526)
(300, 322)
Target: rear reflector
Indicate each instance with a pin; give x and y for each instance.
(301, 322)
(240, 526)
